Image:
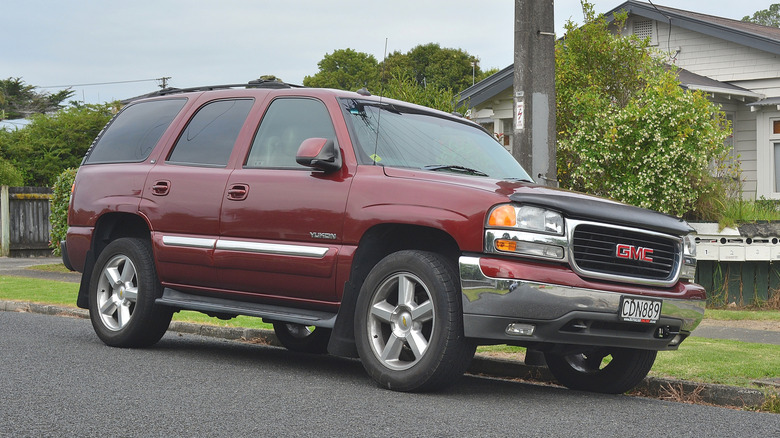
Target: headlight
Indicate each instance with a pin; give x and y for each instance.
(528, 218)
(689, 258)
(689, 245)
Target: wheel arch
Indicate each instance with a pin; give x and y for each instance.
(109, 227)
(376, 243)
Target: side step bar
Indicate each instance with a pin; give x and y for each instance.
(186, 301)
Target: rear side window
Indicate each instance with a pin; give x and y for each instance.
(209, 137)
(135, 131)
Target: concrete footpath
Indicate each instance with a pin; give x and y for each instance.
(721, 395)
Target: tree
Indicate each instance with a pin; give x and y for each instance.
(345, 69)
(432, 65)
(626, 129)
(766, 17)
(402, 86)
(18, 100)
(53, 142)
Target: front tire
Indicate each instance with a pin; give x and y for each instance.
(409, 323)
(122, 293)
(591, 372)
(301, 338)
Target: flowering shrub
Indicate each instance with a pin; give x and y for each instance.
(627, 130)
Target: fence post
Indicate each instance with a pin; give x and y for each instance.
(5, 222)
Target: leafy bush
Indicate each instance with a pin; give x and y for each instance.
(10, 175)
(628, 131)
(59, 208)
(54, 142)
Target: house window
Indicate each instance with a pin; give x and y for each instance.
(729, 141)
(774, 151)
(775, 126)
(777, 167)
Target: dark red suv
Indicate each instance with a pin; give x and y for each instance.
(363, 226)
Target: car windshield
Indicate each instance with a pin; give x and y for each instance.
(396, 136)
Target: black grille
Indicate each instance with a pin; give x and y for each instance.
(596, 251)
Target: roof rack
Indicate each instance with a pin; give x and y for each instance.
(257, 83)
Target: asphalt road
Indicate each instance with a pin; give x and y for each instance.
(58, 379)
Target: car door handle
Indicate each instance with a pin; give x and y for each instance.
(161, 188)
(238, 192)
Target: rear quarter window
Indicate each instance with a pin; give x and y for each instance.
(133, 133)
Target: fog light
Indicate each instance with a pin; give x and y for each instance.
(519, 329)
(688, 271)
(676, 341)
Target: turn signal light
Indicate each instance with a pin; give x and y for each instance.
(506, 245)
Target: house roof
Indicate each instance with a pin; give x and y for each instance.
(692, 81)
(753, 35)
(490, 87)
(748, 34)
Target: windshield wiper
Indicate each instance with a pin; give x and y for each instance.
(520, 179)
(456, 168)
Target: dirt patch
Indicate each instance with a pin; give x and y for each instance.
(745, 324)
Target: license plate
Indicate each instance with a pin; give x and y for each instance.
(644, 310)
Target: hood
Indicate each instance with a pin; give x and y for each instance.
(580, 206)
(572, 204)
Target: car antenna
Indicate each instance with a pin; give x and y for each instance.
(381, 95)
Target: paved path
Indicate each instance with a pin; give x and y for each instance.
(18, 267)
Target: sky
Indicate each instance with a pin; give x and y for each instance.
(108, 50)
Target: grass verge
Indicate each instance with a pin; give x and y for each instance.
(64, 294)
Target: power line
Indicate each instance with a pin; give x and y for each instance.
(102, 83)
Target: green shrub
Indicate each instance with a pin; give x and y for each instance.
(54, 142)
(10, 175)
(59, 208)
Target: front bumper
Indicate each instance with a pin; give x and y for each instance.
(566, 309)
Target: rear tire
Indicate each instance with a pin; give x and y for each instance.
(122, 293)
(409, 323)
(589, 372)
(301, 338)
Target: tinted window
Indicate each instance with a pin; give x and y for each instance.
(135, 131)
(209, 137)
(286, 124)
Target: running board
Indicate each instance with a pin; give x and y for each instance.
(185, 301)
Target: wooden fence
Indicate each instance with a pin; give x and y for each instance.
(24, 221)
(744, 283)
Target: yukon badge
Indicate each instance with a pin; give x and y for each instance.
(632, 252)
(328, 236)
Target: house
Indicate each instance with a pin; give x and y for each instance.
(737, 64)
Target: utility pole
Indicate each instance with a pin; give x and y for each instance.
(534, 90)
(164, 82)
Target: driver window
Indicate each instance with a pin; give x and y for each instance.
(286, 124)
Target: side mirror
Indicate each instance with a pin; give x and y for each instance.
(319, 153)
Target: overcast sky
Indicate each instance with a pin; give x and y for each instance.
(74, 42)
